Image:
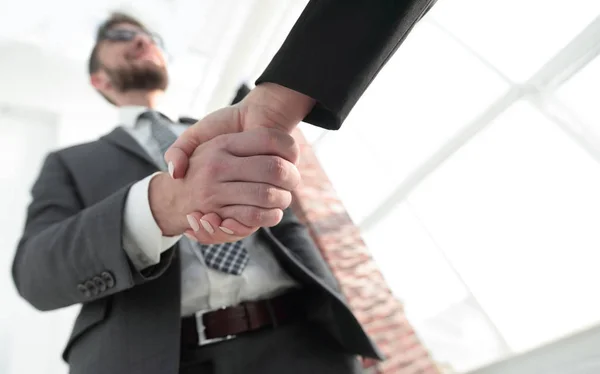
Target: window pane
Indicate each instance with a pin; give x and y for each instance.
(358, 177)
(516, 210)
(517, 36)
(437, 303)
(425, 94)
(413, 266)
(581, 94)
(461, 337)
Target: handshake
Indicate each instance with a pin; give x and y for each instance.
(233, 171)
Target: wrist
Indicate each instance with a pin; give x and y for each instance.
(278, 106)
(164, 205)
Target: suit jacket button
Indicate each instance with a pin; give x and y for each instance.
(108, 279)
(84, 290)
(92, 288)
(100, 284)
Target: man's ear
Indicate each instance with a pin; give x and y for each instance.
(99, 80)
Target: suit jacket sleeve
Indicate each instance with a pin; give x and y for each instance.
(69, 254)
(337, 47)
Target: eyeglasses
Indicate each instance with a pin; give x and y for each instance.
(125, 35)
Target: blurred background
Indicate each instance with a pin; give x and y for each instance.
(471, 165)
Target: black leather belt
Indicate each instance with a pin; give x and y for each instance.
(245, 317)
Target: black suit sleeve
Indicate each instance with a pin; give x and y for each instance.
(337, 47)
(71, 254)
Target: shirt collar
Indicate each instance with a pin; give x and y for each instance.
(129, 114)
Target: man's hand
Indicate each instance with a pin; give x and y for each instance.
(246, 175)
(268, 105)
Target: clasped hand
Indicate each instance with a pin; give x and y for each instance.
(235, 183)
(233, 171)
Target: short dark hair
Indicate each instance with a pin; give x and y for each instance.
(114, 19)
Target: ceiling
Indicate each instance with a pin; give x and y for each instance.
(44, 52)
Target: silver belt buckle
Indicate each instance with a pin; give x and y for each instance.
(202, 340)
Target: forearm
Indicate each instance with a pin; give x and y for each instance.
(53, 261)
(143, 240)
(336, 48)
(67, 248)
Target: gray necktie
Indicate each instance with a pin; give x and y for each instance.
(230, 258)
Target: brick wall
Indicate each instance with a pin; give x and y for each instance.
(382, 315)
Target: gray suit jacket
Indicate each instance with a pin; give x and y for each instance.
(71, 253)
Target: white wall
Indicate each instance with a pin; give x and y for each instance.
(30, 342)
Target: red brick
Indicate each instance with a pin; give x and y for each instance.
(318, 206)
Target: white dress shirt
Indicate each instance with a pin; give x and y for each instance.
(203, 288)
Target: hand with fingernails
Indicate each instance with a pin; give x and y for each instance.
(233, 171)
(247, 176)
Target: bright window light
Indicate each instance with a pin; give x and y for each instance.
(516, 36)
(516, 210)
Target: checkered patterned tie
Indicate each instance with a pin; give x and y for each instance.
(230, 258)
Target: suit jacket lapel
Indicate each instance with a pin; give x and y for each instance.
(120, 138)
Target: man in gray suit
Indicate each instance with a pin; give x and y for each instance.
(105, 230)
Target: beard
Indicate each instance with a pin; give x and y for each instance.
(134, 78)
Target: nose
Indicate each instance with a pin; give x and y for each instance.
(141, 40)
